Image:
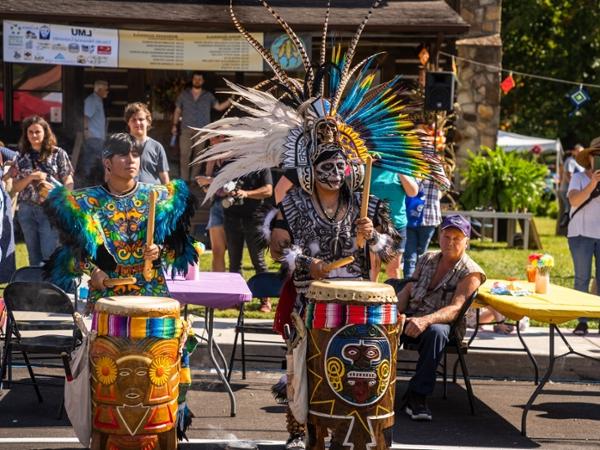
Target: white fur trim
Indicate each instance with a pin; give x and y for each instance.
(383, 241)
(289, 257)
(266, 226)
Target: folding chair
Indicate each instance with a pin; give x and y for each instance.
(29, 273)
(262, 285)
(36, 273)
(37, 297)
(455, 345)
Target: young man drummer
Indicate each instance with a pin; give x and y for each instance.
(104, 228)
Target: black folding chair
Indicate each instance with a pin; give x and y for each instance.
(36, 273)
(262, 285)
(455, 345)
(41, 347)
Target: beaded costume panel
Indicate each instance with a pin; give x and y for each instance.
(326, 240)
(109, 231)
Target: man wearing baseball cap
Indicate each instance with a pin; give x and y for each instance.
(441, 284)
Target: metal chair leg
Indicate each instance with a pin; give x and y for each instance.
(467, 378)
(33, 380)
(243, 354)
(233, 351)
(445, 374)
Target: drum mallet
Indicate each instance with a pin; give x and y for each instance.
(338, 263)
(150, 233)
(112, 282)
(364, 206)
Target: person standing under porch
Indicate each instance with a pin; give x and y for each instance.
(192, 108)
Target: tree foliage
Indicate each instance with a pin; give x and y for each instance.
(555, 38)
(504, 181)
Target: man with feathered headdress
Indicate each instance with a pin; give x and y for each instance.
(326, 141)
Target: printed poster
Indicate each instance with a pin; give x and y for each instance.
(30, 42)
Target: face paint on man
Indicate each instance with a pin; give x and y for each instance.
(330, 173)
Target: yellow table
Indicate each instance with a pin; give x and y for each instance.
(559, 305)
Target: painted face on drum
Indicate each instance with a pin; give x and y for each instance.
(132, 380)
(331, 172)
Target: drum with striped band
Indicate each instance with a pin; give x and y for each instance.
(353, 332)
(135, 372)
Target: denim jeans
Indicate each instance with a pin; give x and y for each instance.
(237, 230)
(431, 344)
(417, 242)
(41, 238)
(583, 249)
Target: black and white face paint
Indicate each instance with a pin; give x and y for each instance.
(331, 172)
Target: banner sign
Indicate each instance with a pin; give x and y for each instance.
(29, 42)
(188, 51)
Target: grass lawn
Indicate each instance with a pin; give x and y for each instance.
(496, 259)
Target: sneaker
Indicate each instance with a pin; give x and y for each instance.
(265, 306)
(295, 442)
(524, 324)
(581, 329)
(416, 407)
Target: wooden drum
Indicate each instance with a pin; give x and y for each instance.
(353, 333)
(134, 373)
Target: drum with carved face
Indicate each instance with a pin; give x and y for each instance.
(135, 372)
(353, 332)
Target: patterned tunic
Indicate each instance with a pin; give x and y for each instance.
(329, 241)
(109, 231)
(57, 166)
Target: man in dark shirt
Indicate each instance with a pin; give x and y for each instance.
(193, 107)
(251, 191)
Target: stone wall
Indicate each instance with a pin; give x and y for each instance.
(478, 91)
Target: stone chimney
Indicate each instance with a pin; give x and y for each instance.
(478, 91)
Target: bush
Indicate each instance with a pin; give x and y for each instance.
(504, 181)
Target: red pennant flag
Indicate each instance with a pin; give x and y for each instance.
(507, 84)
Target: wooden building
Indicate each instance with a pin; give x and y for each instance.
(399, 28)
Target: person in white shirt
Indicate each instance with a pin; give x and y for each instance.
(584, 229)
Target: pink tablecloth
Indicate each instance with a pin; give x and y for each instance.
(213, 289)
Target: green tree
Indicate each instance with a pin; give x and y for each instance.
(555, 38)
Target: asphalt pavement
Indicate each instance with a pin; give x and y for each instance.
(565, 416)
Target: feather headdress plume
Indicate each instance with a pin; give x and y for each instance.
(364, 119)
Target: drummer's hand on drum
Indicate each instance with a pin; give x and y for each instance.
(151, 252)
(97, 279)
(364, 226)
(414, 326)
(317, 269)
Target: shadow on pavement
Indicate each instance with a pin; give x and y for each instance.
(19, 407)
(453, 423)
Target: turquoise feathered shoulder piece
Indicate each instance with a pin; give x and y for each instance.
(72, 213)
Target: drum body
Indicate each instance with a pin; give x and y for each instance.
(353, 333)
(134, 371)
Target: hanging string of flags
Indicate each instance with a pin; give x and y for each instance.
(578, 97)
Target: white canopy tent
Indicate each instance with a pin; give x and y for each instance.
(514, 141)
(519, 142)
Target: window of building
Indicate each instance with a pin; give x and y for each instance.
(37, 89)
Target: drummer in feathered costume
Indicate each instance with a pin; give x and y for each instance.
(104, 228)
(104, 234)
(327, 140)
